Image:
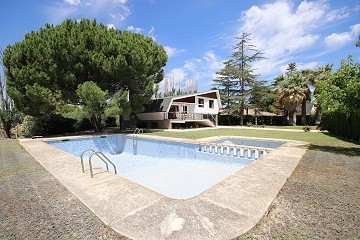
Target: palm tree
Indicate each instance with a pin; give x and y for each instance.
(322, 73)
(292, 91)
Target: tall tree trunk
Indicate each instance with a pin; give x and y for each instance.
(303, 112)
(292, 118)
(122, 123)
(96, 121)
(241, 114)
(318, 115)
(286, 117)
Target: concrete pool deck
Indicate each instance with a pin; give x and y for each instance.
(224, 211)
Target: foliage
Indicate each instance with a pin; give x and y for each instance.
(341, 92)
(237, 78)
(29, 126)
(291, 89)
(93, 102)
(306, 128)
(118, 105)
(262, 97)
(339, 97)
(44, 70)
(9, 115)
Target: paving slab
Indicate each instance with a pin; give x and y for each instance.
(224, 211)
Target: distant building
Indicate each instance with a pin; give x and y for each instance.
(185, 111)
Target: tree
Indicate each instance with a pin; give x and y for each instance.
(339, 98)
(226, 84)
(119, 106)
(341, 92)
(93, 102)
(321, 73)
(262, 98)
(9, 115)
(291, 69)
(289, 85)
(49, 64)
(292, 91)
(240, 64)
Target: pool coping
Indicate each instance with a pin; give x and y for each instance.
(225, 211)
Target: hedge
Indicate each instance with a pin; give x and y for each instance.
(342, 125)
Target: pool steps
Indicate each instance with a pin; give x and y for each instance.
(234, 150)
(101, 156)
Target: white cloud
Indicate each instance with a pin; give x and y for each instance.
(73, 2)
(151, 33)
(337, 40)
(115, 10)
(134, 29)
(110, 25)
(121, 1)
(337, 14)
(281, 29)
(171, 52)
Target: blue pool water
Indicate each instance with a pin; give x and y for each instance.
(251, 142)
(174, 169)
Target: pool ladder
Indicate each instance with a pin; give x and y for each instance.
(233, 150)
(137, 131)
(101, 156)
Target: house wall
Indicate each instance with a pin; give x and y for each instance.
(206, 109)
(194, 107)
(156, 116)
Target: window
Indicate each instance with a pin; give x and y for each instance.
(211, 103)
(201, 102)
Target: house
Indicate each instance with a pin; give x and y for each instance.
(185, 111)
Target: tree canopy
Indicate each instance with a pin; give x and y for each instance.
(46, 68)
(237, 78)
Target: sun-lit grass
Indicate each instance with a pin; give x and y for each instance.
(290, 127)
(314, 138)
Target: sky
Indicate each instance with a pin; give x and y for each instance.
(198, 35)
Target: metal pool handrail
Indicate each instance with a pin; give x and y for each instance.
(81, 157)
(136, 132)
(102, 158)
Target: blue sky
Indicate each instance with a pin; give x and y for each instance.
(198, 35)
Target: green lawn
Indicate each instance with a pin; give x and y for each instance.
(319, 141)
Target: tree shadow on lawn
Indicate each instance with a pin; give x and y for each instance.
(348, 151)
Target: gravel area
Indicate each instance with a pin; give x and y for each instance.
(34, 205)
(320, 200)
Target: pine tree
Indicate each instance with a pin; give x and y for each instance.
(242, 73)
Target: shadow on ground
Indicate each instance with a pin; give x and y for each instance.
(348, 151)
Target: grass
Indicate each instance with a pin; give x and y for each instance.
(291, 127)
(321, 141)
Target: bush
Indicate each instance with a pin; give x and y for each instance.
(306, 128)
(30, 127)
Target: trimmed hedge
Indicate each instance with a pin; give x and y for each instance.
(262, 120)
(339, 124)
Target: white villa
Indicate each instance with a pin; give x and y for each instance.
(190, 110)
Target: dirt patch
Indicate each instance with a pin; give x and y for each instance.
(34, 205)
(320, 200)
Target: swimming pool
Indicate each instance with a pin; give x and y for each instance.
(175, 169)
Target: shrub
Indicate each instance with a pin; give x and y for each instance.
(30, 126)
(306, 128)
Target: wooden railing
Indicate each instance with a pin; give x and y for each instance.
(189, 116)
